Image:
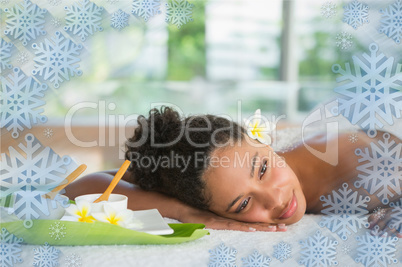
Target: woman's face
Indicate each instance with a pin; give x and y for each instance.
(251, 183)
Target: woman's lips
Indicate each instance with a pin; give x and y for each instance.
(290, 209)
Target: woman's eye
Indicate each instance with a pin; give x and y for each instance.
(263, 169)
(243, 205)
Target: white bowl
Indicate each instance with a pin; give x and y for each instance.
(56, 208)
(116, 201)
(53, 209)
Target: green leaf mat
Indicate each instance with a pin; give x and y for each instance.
(99, 233)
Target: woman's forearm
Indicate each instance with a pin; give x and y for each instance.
(138, 199)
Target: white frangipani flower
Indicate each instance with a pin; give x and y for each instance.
(81, 212)
(258, 130)
(110, 215)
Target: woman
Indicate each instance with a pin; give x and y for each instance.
(207, 169)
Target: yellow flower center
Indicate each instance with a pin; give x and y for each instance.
(83, 215)
(113, 219)
(256, 130)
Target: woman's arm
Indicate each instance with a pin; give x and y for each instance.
(139, 199)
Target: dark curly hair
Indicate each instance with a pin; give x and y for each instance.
(164, 141)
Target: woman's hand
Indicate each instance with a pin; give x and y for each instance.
(213, 221)
(139, 199)
(386, 222)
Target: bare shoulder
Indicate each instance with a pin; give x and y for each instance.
(95, 183)
(316, 154)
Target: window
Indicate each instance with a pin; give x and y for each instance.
(224, 55)
(233, 57)
(268, 54)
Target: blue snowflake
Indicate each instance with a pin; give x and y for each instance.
(396, 216)
(345, 249)
(318, 251)
(23, 57)
(146, 8)
(379, 169)
(344, 40)
(356, 14)
(374, 249)
(57, 230)
(25, 21)
(46, 256)
(222, 256)
(119, 19)
(328, 9)
(345, 211)
(179, 12)
(54, 2)
(73, 260)
(256, 259)
(391, 21)
(10, 248)
(379, 213)
(371, 92)
(282, 251)
(55, 22)
(30, 174)
(83, 18)
(5, 54)
(20, 98)
(56, 59)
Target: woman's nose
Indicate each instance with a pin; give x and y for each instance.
(272, 198)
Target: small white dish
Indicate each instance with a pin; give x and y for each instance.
(152, 222)
(116, 201)
(146, 221)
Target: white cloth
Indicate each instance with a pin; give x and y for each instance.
(196, 253)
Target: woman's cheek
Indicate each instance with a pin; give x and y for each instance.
(281, 175)
(255, 214)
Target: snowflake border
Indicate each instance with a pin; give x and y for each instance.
(24, 101)
(390, 17)
(146, 9)
(222, 255)
(282, 251)
(364, 103)
(318, 250)
(73, 260)
(345, 211)
(46, 256)
(379, 167)
(17, 26)
(57, 59)
(119, 20)
(344, 40)
(328, 9)
(10, 248)
(83, 18)
(373, 249)
(396, 216)
(57, 230)
(356, 14)
(179, 12)
(5, 55)
(29, 174)
(256, 259)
